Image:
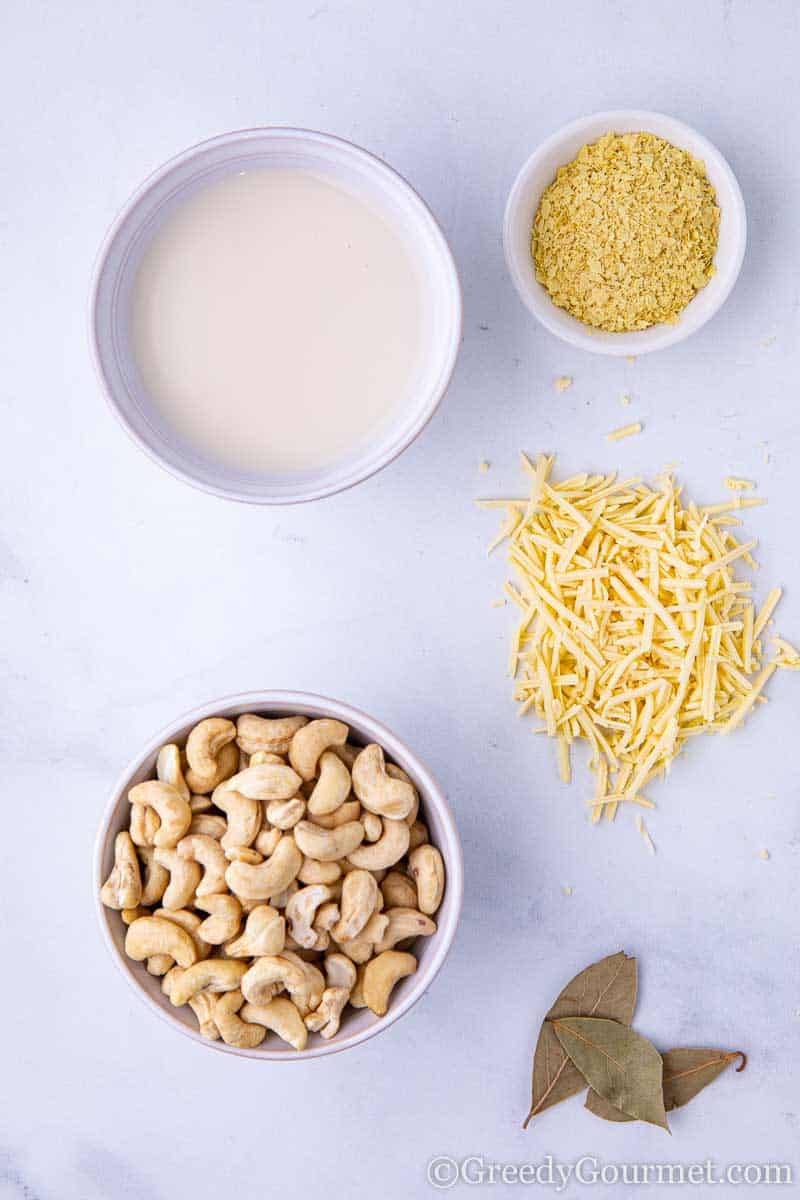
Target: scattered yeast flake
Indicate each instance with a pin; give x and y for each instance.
(563, 382)
(635, 633)
(764, 855)
(483, 466)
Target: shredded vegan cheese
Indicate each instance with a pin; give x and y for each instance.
(643, 830)
(738, 485)
(624, 431)
(635, 633)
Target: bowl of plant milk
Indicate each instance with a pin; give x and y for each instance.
(275, 315)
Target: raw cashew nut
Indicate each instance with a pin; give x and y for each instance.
(208, 824)
(224, 921)
(281, 1017)
(267, 841)
(301, 910)
(320, 945)
(211, 975)
(129, 915)
(381, 975)
(244, 854)
(205, 742)
(123, 888)
(360, 898)
(144, 824)
(377, 790)
(325, 1020)
(264, 934)
(398, 773)
(269, 781)
(328, 845)
(206, 851)
(244, 816)
(174, 812)
(266, 972)
(373, 826)
(348, 753)
(188, 921)
(398, 891)
(151, 936)
(357, 994)
(349, 811)
(272, 734)
(170, 979)
(199, 804)
(284, 814)
(389, 848)
(418, 835)
(202, 1005)
(332, 788)
(184, 877)
(360, 949)
(159, 964)
(169, 770)
(427, 871)
(318, 872)
(227, 764)
(309, 743)
(268, 878)
(327, 916)
(340, 971)
(281, 899)
(404, 923)
(309, 996)
(233, 1030)
(155, 877)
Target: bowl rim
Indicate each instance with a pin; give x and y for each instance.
(431, 793)
(543, 308)
(370, 466)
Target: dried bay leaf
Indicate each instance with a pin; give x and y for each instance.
(603, 1108)
(686, 1072)
(606, 989)
(623, 1067)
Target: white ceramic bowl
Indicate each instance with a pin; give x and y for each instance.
(539, 171)
(158, 197)
(357, 1024)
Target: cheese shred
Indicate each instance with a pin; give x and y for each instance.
(635, 633)
(625, 431)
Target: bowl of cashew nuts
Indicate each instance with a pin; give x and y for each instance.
(278, 876)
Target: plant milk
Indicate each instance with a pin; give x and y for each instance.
(277, 321)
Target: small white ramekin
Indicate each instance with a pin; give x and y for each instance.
(358, 1025)
(158, 197)
(540, 170)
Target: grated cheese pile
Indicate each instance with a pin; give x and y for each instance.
(635, 634)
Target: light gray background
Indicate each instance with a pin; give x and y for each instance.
(127, 598)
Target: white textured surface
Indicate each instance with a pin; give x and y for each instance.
(128, 598)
